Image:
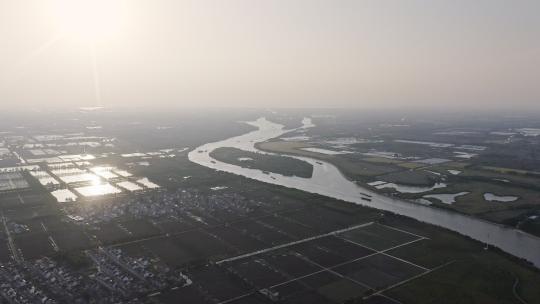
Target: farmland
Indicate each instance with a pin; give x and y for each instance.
(205, 236)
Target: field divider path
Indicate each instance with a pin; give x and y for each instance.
(293, 243)
(383, 252)
(347, 262)
(515, 291)
(409, 280)
(19, 197)
(404, 231)
(11, 242)
(166, 235)
(330, 269)
(328, 180)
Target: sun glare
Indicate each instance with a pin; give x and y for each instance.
(89, 20)
(96, 181)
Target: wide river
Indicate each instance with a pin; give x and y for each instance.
(327, 180)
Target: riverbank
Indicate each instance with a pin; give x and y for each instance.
(327, 180)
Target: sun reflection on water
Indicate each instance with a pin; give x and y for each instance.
(98, 190)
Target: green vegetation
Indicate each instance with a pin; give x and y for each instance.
(412, 178)
(474, 178)
(531, 226)
(477, 181)
(287, 166)
(411, 165)
(471, 275)
(351, 165)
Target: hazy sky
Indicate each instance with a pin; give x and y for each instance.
(275, 53)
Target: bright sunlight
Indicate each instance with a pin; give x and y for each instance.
(89, 21)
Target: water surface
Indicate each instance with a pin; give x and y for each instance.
(327, 180)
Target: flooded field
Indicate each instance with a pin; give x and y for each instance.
(64, 196)
(44, 178)
(130, 186)
(147, 183)
(97, 190)
(405, 188)
(497, 198)
(325, 151)
(446, 198)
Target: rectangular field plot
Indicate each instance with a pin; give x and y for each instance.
(104, 172)
(139, 228)
(378, 237)
(110, 233)
(262, 232)
(64, 195)
(322, 219)
(188, 294)
(188, 247)
(75, 175)
(256, 272)
(343, 248)
(342, 290)
(321, 287)
(379, 299)
(224, 215)
(251, 299)
(55, 223)
(44, 178)
(130, 186)
(290, 264)
(218, 283)
(200, 219)
(202, 245)
(379, 271)
(168, 251)
(34, 198)
(328, 268)
(97, 190)
(289, 227)
(306, 297)
(173, 226)
(147, 183)
(242, 242)
(10, 201)
(12, 181)
(329, 251)
(34, 245)
(33, 215)
(424, 253)
(68, 240)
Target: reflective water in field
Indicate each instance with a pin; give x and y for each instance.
(98, 190)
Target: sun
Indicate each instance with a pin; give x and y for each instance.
(89, 21)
